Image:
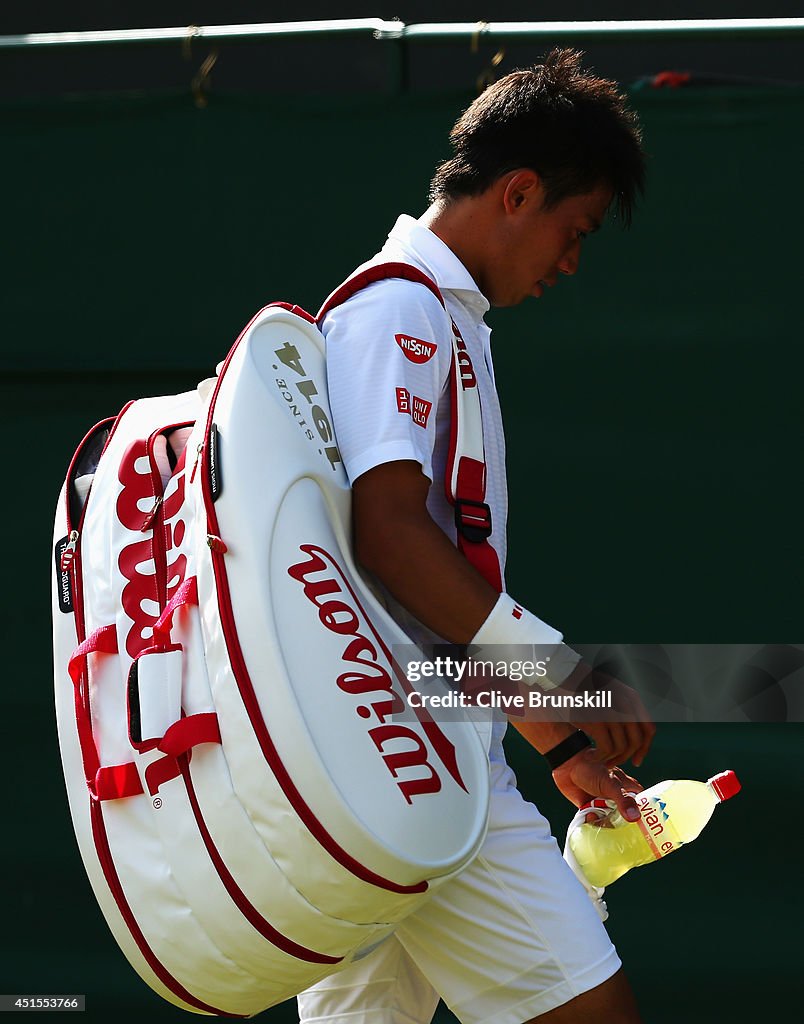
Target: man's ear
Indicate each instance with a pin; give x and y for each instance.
(522, 188)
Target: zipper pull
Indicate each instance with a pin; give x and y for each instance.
(198, 451)
(68, 554)
(216, 544)
(148, 522)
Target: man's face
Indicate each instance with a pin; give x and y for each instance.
(536, 245)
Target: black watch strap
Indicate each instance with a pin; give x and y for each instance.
(567, 748)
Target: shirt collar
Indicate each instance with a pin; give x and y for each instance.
(440, 261)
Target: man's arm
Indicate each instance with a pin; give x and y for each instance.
(398, 541)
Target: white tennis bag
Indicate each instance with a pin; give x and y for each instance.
(252, 813)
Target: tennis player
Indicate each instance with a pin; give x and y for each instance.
(540, 160)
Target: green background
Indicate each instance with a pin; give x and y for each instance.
(654, 434)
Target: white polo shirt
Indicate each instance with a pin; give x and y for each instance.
(388, 358)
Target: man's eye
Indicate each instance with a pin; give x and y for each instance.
(580, 235)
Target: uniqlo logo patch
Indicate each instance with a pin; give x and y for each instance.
(417, 408)
(421, 411)
(416, 350)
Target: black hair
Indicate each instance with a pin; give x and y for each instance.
(573, 129)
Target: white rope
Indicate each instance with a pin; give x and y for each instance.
(381, 29)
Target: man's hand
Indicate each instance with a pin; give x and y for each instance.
(629, 730)
(584, 777)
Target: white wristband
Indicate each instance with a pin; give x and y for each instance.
(511, 633)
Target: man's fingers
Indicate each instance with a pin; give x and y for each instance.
(615, 742)
(648, 730)
(617, 787)
(633, 741)
(626, 805)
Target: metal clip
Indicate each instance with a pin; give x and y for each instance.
(488, 76)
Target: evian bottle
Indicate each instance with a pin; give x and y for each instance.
(672, 814)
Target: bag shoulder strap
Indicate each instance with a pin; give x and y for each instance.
(380, 272)
(465, 478)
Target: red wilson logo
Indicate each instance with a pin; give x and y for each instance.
(416, 350)
(465, 367)
(366, 674)
(149, 584)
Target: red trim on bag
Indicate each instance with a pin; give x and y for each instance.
(111, 421)
(101, 839)
(187, 593)
(381, 272)
(116, 422)
(101, 641)
(471, 486)
(178, 741)
(238, 897)
(159, 772)
(113, 881)
(189, 732)
(297, 310)
(117, 781)
(270, 753)
(453, 430)
(246, 687)
(444, 749)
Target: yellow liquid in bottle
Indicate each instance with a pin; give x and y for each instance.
(673, 813)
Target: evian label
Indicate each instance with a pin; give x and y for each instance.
(412, 753)
(416, 350)
(654, 823)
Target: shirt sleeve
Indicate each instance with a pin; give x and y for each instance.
(389, 349)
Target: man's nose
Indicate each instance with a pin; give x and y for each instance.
(568, 264)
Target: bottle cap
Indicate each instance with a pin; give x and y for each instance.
(725, 785)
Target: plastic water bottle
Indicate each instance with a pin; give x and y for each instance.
(672, 813)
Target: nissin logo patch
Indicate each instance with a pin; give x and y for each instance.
(416, 350)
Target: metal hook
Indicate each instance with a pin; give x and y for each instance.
(488, 75)
(482, 26)
(201, 82)
(187, 42)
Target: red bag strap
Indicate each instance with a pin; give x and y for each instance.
(187, 593)
(190, 731)
(114, 782)
(110, 782)
(473, 521)
(179, 739)
(102, 641)
(117, 781)
(465, 475)
(382, 272)
(472, 514)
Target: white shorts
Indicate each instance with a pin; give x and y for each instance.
(513, 936)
